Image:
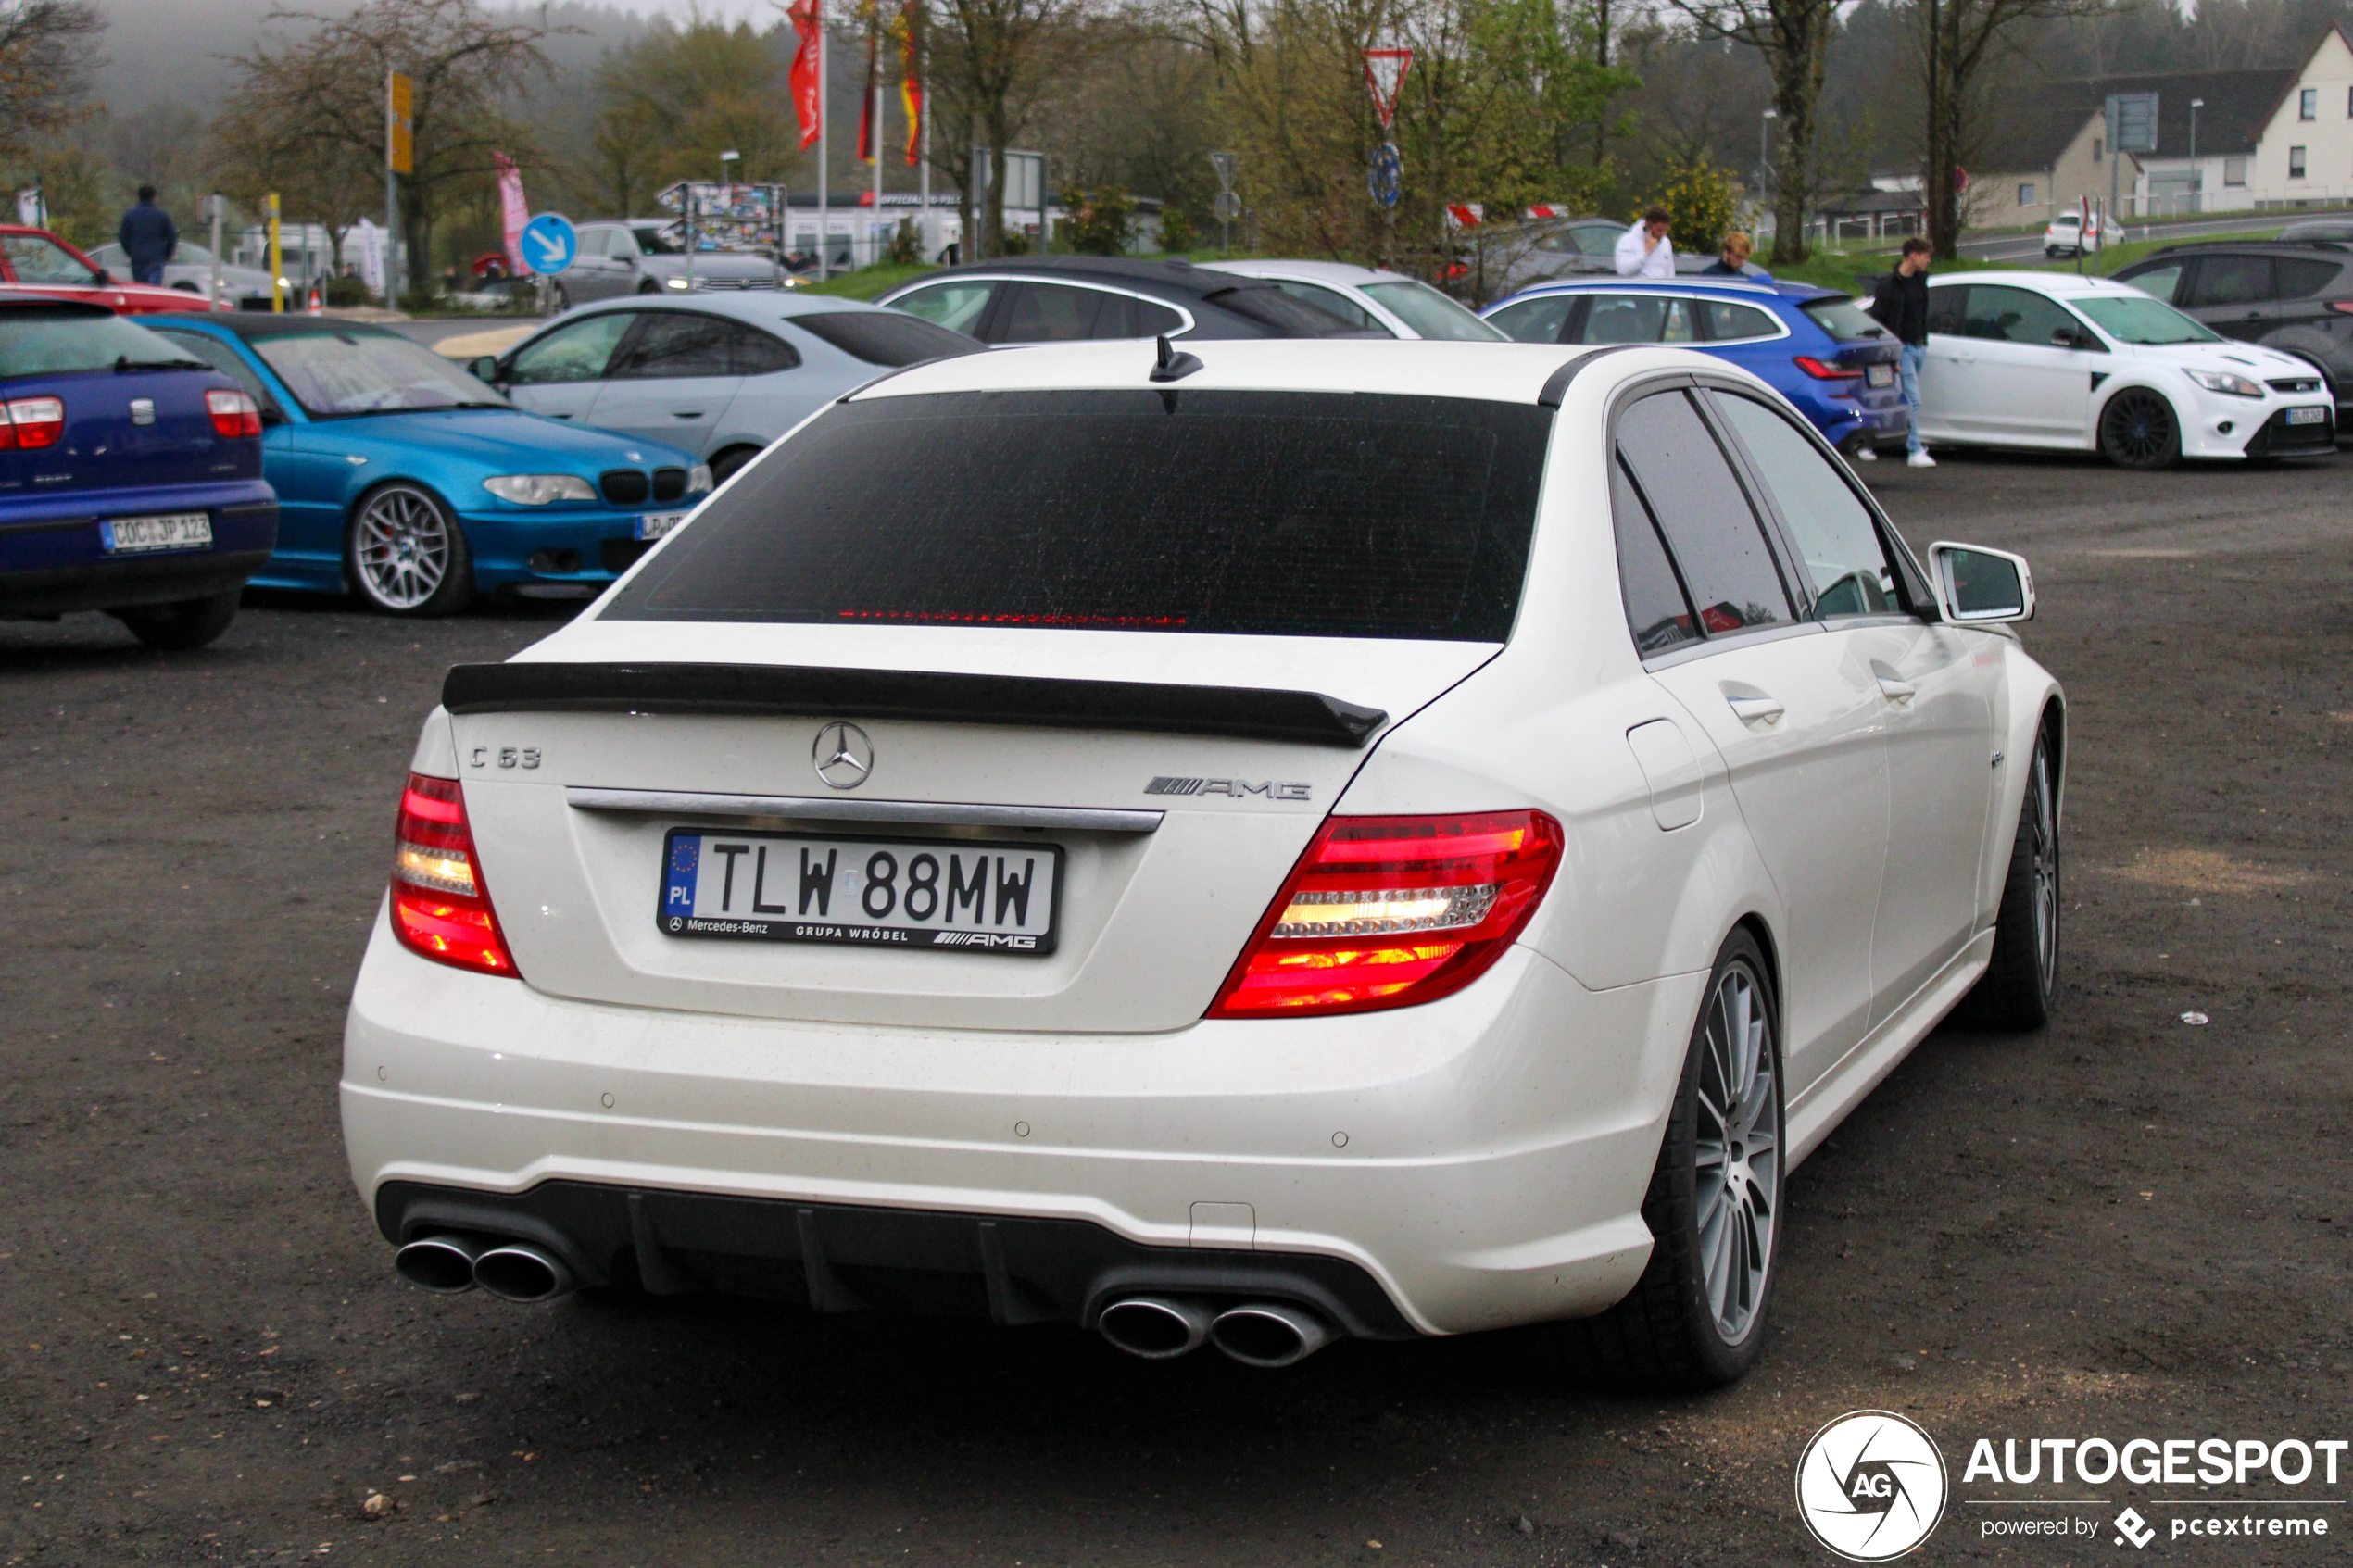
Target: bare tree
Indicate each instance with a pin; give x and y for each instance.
(1793, 38)
(992, 61)
(46, 50)
(308, 115)
(1959, 40)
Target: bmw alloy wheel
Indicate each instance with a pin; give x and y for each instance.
(401, 548)
(1737, 1164)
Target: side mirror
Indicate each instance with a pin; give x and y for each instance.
(630, 262)
(1975, 585)
(483, 368)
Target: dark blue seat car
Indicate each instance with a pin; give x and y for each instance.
(406, 479)
(129, 476)
(1815, 347)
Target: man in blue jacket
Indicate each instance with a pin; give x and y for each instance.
(148, 237)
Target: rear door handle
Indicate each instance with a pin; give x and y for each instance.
(1756, 709)
(1897, 691)
(685, 413)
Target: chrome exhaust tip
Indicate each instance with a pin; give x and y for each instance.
(443, 1264)
(1269, 1334)
(516, 1271)
(1158, 1328)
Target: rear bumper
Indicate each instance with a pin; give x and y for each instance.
(52, 561)
(1480, 1160)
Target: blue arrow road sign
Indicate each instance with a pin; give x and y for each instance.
(549, 243)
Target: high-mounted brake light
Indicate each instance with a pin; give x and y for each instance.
(34, 422)
(1821, 371)
(439, 905)
(1389, 911)
(234, 414)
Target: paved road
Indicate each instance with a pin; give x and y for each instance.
(2124, 1226)
(2016, 248)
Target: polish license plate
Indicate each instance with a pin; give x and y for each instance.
(2307, 416)
(973, 895)
(135, 535)
(1879, 375)
(654, 525)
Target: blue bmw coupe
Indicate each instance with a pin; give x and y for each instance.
(402, 478)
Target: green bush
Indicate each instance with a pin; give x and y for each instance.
(1100, 220)
(1177, 229)
(343, 293)
(906, 247)
(1704, 201)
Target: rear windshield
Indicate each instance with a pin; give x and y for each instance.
(884, 337)
(1264, 513)
(1842, 318)
(34, 342)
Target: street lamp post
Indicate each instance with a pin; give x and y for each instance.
(2198, 182)
(1765, 150)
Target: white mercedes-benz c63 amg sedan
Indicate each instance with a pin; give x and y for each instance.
(1249, 846)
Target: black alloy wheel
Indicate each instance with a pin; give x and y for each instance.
(2138, 431)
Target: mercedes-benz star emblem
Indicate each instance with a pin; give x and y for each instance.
(843, 754)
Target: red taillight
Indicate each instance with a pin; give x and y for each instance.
(34, 422)
(1821, 371)
(234, 414)
(1388, 912)
(439, 905)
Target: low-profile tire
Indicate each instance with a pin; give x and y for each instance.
(2139, 429)
(1696, 1320)
(191, 623)
(725, 464)
(2019, 990)
(648, 286)
(404, 553)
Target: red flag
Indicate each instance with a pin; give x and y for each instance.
(805, 21)
(866, 127)
(910, 80)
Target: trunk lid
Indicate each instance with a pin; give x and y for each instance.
(1172, 837)
(123, 430)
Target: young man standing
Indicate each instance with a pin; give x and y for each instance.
(1644, 251)
(1901, 305)
(1734, 260)
(148, 237)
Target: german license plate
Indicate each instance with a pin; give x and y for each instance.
(654, 525)
(176, 531)
(1879, 375)
(2307, 416)
(971, 895)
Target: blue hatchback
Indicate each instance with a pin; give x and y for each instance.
(1813, 346)
(129, 476)
(401, 477)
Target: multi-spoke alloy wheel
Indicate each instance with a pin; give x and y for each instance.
(407, 555)
(1696, 1318)
(2138, 431)
(1737, 1153)
(2019, 988)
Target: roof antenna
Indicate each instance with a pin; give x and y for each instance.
(1173, 365)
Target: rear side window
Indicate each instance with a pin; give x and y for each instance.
(1535, 320)
(2299, 278)
(1051, 313)
(751, 352)
(1729, 322)
(883, 337)
(1263, 513)
(38, 342)
(1717, 540)
(1846, 321)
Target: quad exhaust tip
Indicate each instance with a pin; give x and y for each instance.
(453, 1262)
(1258, 1334)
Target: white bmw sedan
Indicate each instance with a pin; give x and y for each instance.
(1248, 848)
(2049, 359)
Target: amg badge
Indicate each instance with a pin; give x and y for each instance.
(1236, 787)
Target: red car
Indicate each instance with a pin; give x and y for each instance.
(36, 261)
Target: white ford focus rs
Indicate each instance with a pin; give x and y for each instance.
(1348, 839)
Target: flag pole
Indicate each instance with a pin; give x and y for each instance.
(922, 110)
(825, 131)
(876, 145)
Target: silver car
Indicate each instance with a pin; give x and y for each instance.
(720, 376)
(645, 255)
(190, 268)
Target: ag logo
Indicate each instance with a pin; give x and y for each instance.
(1871, 1485)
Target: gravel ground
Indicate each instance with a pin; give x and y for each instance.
(2126, 1225)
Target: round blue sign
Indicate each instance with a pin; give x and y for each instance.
(549, 243)
(1388, 175)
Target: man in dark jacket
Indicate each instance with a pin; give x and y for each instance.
(148, 237)
(1901, 305)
